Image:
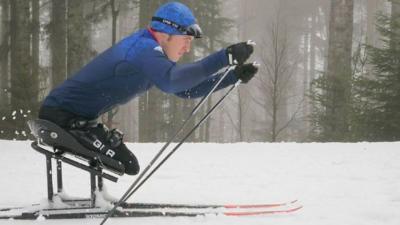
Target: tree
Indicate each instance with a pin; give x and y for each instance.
(4, 52)
(333, 98)
(58, 41)
(24, 85)
(35, 34)
(378, 112)
(108, 118)
(215, 27)
(148, 113)
(78, 36)
(276, 79)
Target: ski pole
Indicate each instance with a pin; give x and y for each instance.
(157, 156)
(212, 90)
(187, 135)
(182, 140)
(199, 123)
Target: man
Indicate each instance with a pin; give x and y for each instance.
(145, 59)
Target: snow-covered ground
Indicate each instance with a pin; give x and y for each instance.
(351, 184)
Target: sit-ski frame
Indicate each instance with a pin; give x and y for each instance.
(94, 169)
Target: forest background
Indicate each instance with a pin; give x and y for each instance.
(330, 69)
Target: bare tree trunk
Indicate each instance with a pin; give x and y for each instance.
(147, 101)
(114, 17)
(313, 45)
(4, 53)
(35, 39)
(339, 69)
(78, 38)
(276, 79)
(207, 127)
(279, 47)
(241, 116)
(372, 9)
(58, 42)
(143, 100)
(313, 69)
(395, 17)
(308, 61)
(244, 5)
(395, 9)
(24, 87)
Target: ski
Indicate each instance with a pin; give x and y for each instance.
(84, 212)
(204, 206)
(85, 203)
(263, 212)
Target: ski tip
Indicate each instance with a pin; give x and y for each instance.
(263, 213)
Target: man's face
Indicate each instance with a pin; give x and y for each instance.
(175, 46)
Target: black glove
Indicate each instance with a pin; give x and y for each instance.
(240, 52)
(246, 72)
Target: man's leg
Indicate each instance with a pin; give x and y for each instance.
(124, 155)
(56, 115)
(109, 143)
(93, 136)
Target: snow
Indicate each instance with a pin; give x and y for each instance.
(337, 183)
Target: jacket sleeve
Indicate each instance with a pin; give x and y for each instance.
(173, 78)
(205, 87)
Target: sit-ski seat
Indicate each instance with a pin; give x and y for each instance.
(63, 143)
(54, 136)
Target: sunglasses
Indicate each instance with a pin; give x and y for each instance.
(192, 30)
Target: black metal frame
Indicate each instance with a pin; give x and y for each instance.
(94, 170)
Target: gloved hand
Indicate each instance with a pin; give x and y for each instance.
(246, 72)
(240, 52)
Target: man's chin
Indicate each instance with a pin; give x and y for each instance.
(176, 59)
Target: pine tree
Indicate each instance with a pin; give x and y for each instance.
(332, 92)
(378, 117)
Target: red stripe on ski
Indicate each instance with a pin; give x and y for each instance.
(249, 206)
(268, 212)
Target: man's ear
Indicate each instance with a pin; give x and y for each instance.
(161, 36)
(169, 37)
(165, 36)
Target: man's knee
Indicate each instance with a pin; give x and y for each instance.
(132, 165)
(132, 169)
(129, 160)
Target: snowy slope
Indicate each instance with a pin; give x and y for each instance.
(351, 184)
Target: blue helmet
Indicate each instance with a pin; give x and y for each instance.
(175, 18)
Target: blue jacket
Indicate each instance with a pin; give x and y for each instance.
(130, 68)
